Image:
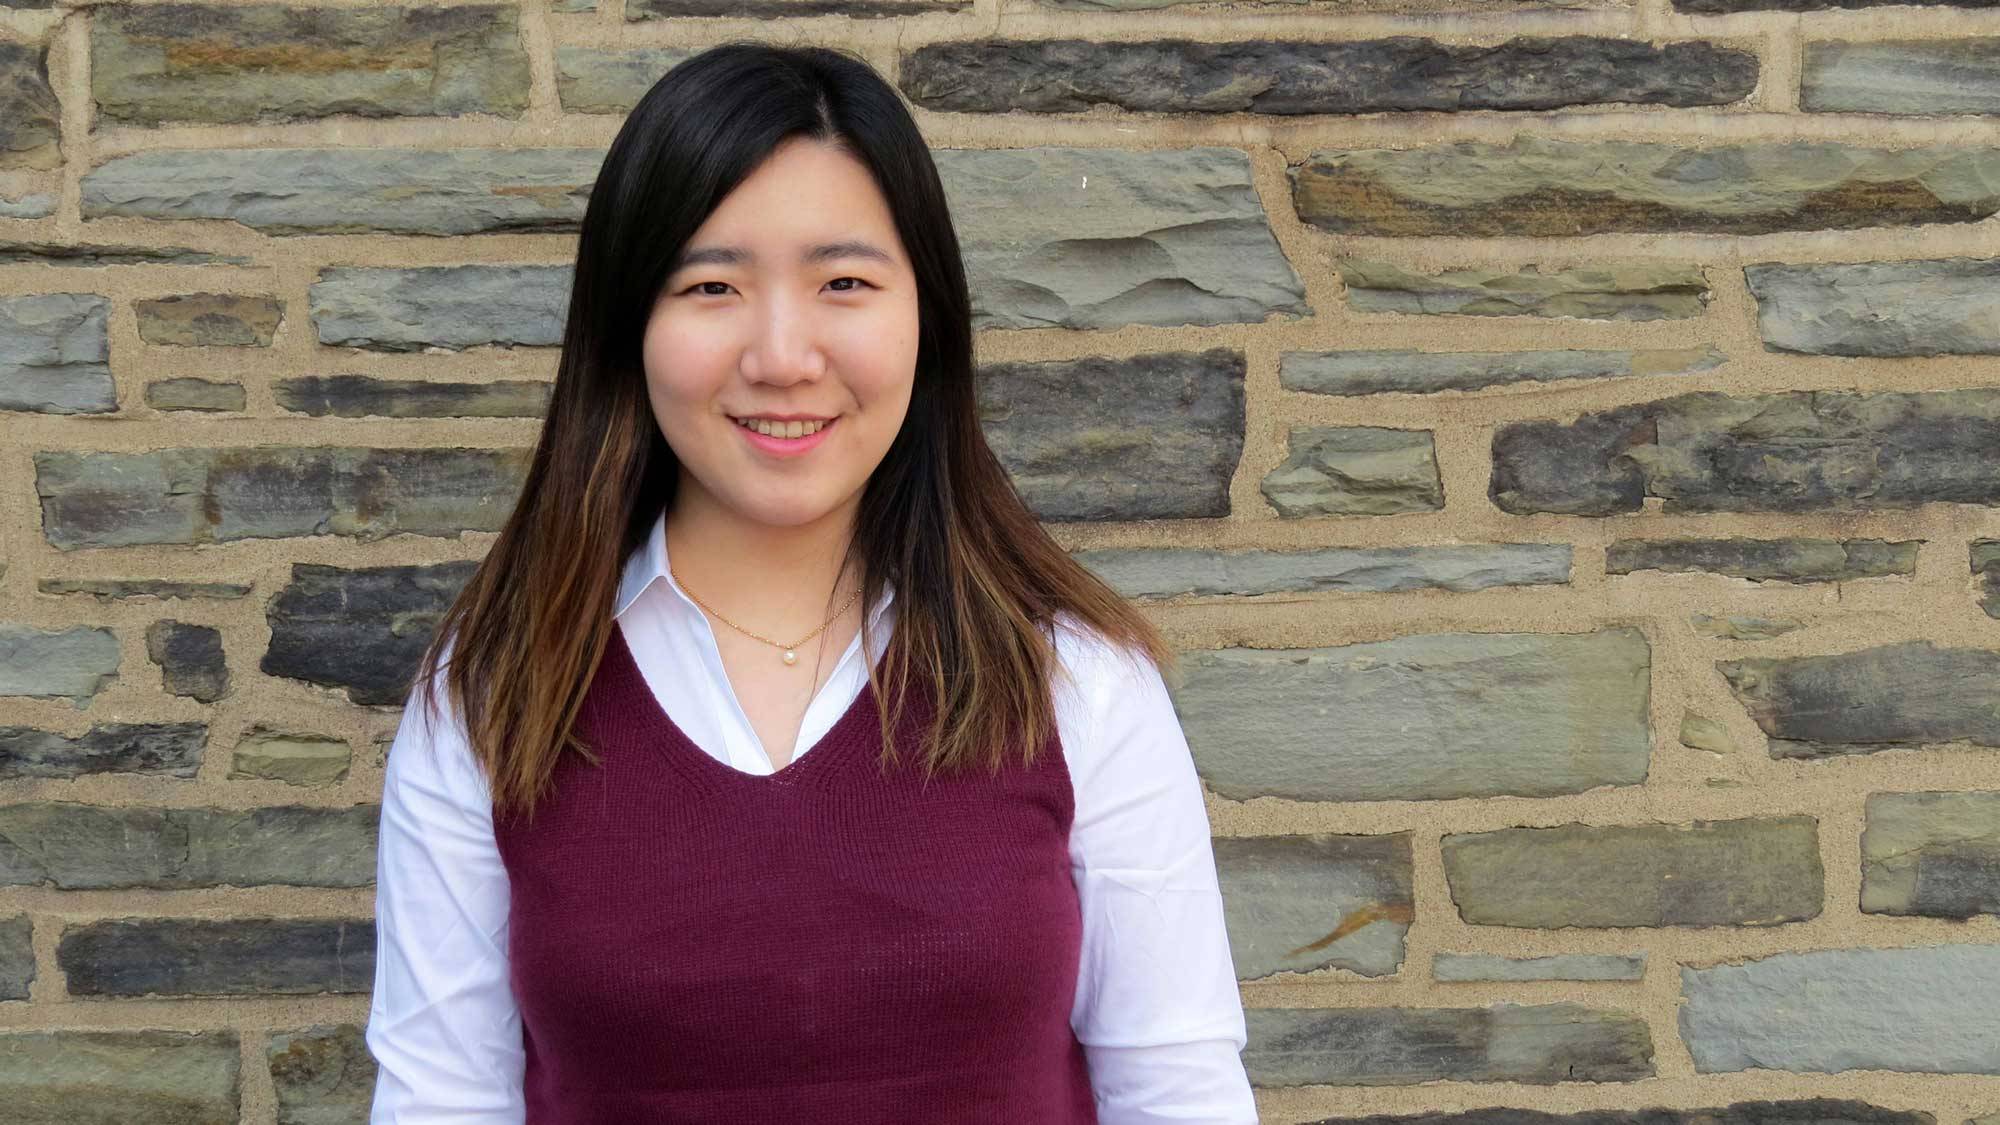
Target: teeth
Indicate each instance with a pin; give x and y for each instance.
(781, 429)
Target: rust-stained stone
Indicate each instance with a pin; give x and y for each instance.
(324, 1075)
(30, 116)
(1795, 451)
(1889, 697)
(1935, 854)
(1767, 560)
(1300, 903)
(1754, 872)
(209, 319)
(1386, 1045)
(1630, 291)
(153, 64)
(1543, 187)
(1403, 72)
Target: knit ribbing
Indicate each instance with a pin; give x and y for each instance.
(827, 943)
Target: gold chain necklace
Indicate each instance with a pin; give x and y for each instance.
(791, 655)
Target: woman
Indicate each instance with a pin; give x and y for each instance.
(691, 827)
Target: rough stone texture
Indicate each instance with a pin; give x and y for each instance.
(1412, 371)
(1399, 7)
(1803, 1111)
(195, 394)
(324, 1075)
(788, 9)
(363, 396)
(1150, 437)
(1568, 966)
(1985, 557)
(602, 80)
(1888, 697)
(1796, 451)
(232, 957)
(1699, 732)
(1767, 560)
(1922, 76)
(34, 205)
(1710, 873)
(215, 495)
(1169, 573)
(154, 64)
(190, 659)
(1382, 1046)
(361, 630)
(1740, 628)
(121, 589)
(290, 756)
(1355, 471)
(92, 254)
(445, 191)
(91, 847)
(1935, 854)
(30, 116)
(47, 663)
(1542, 187)
(1815, 5)
(1102, 237)
(206, 319)
(55, 356)
(120, 1077)
(1634, 291)
(17, 959)
(1403, 72)
(1930, 1008)
(1940, 306)
(1301, 903)
(1434, 716)
(161, 749)
(391, 309)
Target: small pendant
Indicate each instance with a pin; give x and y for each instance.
(791, 657)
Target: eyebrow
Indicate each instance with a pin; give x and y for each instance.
(813, 255)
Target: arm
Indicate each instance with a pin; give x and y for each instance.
(1157, 1007)
(442, 1023)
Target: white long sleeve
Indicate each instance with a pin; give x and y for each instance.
(1157, 1008)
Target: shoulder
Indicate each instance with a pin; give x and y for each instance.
(1101, 685)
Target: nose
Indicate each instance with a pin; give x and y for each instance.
(784, 348)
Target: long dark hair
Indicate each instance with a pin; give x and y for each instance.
(976, 578)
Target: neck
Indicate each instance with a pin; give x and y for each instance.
(762, 576)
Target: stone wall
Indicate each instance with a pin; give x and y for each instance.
(1563, 437)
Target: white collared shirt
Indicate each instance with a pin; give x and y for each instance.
(1157, 1008)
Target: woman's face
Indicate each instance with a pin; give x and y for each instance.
(793, 306)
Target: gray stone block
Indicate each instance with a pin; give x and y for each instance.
(1421, 717)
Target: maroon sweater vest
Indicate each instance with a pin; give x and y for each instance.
(825, 944)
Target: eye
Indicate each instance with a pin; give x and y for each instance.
(856, 280)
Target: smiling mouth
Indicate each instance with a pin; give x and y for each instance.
(793, 429)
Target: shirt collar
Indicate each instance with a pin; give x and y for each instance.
(648, 564)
